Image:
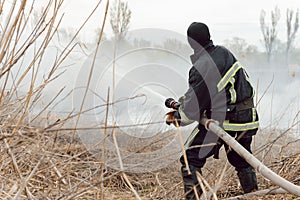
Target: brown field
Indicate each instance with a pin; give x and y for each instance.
(37, 164)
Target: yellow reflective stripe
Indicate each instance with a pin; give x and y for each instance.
(230, 73)
(248, 79)
(232, 91)
(183, 118)
(191, 138)
(240, 127)
(253, 114)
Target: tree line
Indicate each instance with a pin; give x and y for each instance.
(274, 49)
(120, 19)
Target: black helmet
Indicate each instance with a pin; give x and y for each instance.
(198, 34)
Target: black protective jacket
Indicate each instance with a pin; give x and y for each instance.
(220, 87)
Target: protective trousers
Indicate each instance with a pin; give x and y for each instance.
(191, 185)
(204, 145)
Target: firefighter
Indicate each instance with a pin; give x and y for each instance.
(219, 88)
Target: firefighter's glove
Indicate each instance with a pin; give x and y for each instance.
(171, 118)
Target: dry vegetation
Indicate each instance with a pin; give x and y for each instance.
(40, 160)
(35, 164)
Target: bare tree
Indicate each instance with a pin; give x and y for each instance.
(177, 46)
(240, 47)
(138, 43)
(120, 16)
(269, 32)
(292, 29)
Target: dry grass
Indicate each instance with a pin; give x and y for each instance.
(35, 165)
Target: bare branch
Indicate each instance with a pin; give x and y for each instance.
(269, 32)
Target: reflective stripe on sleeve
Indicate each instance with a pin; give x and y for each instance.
(229, 74)
(183, 118)
(253, 114)
(248, 79)
(240, 127)
(232, 91)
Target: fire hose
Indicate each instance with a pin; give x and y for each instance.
(213, 126)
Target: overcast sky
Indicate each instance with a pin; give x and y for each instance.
(226, 19)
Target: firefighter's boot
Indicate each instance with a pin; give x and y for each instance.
(247, 179)
(190, 182)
